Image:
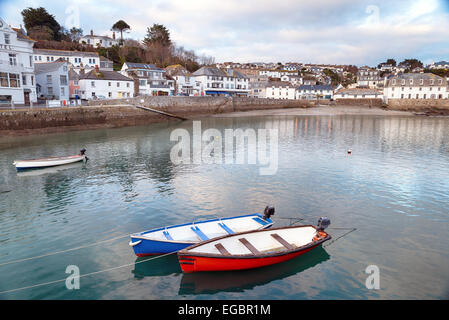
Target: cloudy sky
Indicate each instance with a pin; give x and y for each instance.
(309, 31)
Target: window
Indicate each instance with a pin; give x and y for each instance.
(63, 80)
(62, 91)
(50, 90)
(421, 81)
(432, 81)
(31, 61)
(48, 59)
(109, 84)
(118, 84)
(32, 80)
(48, 78)
(12, 59)
(93, 94)
(127, 84)
(75, 82)
(92, 84)
(110, 94)
(4, 82)
(24, 80)
(7, 39)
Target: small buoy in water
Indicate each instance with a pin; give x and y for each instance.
(349, 151)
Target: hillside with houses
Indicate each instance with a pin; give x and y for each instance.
(38, 66)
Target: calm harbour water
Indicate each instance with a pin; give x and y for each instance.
(394, 189)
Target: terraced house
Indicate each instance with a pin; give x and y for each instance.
(213, 81)
(151, 79)
(17, 79)
(416, 86)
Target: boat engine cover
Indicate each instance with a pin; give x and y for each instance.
(268, 212)
(323, 223)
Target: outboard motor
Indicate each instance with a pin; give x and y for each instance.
(268, 212)
(82, 153)
(323, 223)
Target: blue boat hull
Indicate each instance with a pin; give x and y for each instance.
(145, 247)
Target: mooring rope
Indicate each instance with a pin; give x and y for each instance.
(63, 251)
(87, 274)
(345, 234)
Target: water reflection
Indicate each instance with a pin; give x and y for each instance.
(238, 281)
(162, 266)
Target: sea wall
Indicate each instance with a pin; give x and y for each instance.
(122, 112)
(374, 103)
(428, 106)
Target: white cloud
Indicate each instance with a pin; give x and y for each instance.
(328, 31)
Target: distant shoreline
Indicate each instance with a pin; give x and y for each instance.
(125, 116)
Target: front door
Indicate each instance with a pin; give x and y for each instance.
(27, 98)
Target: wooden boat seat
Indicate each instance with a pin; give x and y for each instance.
(261, 221)
(250, 247)
(282, 241)
(167, 235)
(222, 249)
(199, 233)
(226, 228)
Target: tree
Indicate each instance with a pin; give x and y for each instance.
(157, 34)
(411, 64)
(121, 26)
(40, 19)
(75, 34)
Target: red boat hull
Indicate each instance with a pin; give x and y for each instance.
(197, 263)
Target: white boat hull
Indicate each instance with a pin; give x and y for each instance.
(48, 162)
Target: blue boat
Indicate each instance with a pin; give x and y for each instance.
(177, 237)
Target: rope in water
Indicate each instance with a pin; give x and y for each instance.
(345, 234)
(63, 251)
(87, 274)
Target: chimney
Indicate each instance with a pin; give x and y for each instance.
(91, 32)
(113, 35)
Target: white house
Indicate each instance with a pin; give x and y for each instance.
(358, 93)
(416, 86)
(280, 90)
(315, 92)
(294, 79)
(17, 79)
(151, 79)
(102, 84)
(213, 81)
(368, 77)
(78, 59)
(52, 80)
(183, 80)
(270, 73)
(99, 41)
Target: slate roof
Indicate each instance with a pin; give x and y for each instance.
(209, 71)
(147, 66)
(104, 75)
(47, 67)
(315, 87)
(416, 77)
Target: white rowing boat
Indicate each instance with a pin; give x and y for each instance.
(49, 162)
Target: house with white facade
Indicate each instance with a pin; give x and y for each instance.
(17, 79)
(183, 80)
(99, 41)
(358, 93)
(270, 73)
(416, 86)
(152, 81)
(213, 81)
(102, 84)
(257, 86)
(367, 77)
(294, 79)
(312, 92)
(439, 65)
(280, 90)
(77, 59)
(52, 80)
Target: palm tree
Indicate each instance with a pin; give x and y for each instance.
(121, 26)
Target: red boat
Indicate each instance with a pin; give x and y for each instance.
(253, 249)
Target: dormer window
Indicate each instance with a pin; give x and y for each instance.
(432, 81)
(421, 81)
(440, 81)
(403, 81)
(411, 81)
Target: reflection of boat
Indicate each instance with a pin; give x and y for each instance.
(238, 281)
(253, 249)
(162, 266)
(49, 162)
(177, 237)
(49, 170)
